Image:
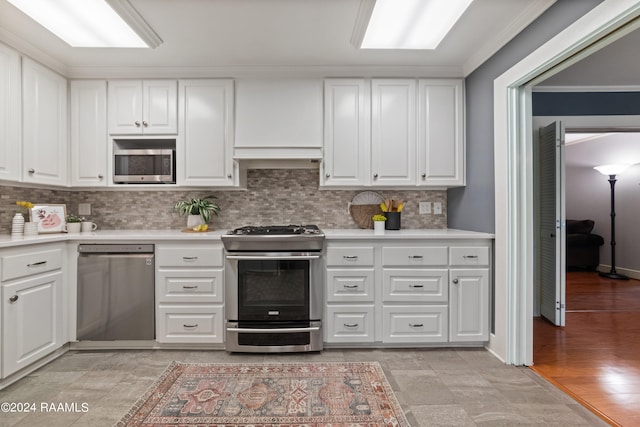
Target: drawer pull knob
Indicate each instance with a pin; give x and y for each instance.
(191, 326)
(189, 286)
(13, 298)
(350, 286)
(137, 123)
(416, 325)
(455, 281)
(144, 123)
(416, 286)
(470, 256)
(31, 170)
(189, 258)
(350, 325)
(37, 264)
(415, 256)
(350, 257)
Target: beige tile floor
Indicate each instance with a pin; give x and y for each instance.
(448, 387)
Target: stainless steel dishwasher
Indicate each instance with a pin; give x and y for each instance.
(116, 297)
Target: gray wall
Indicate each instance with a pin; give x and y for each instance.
(472, 207)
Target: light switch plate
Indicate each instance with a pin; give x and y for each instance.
(84, 208)
(437, 208)
(425, 207)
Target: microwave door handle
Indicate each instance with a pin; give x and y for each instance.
(267, 257)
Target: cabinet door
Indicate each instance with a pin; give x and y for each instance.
(10, 114)
(159, 107)
(89, 133)
(347, 139)
(125, 107)
(469, 305)
(393, 132)
(31, 320)
(441, 133)
(205, 143)
(44, 125)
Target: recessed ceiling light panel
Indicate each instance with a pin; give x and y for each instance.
(411, 24)
(85, 23)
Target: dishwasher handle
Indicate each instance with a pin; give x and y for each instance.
(98, 248)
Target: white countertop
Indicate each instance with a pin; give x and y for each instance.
(136, 236)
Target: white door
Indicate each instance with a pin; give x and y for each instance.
(469, 305)
(159, 107)
(393, 132)
(89, 133)
(551, 223)
(347, 138)
(125, 107)
(10, 114)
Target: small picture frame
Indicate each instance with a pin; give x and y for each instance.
(49, 218)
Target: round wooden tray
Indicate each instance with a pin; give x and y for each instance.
(362, 214)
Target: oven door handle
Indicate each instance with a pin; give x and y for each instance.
(276, 257)
(274, 330)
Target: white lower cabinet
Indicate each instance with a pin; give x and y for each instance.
(407, 292)
(190, 293)
(32, 305)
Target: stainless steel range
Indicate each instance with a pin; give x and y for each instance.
(274, 288)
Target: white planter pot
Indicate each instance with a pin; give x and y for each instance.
(378, 227)
(193, 220)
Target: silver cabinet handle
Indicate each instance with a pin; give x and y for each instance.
(137, 123)
(350, 257)
(31, 170)
(424, 175)
(416, 286)
(350, 286)
(455, 281)
(37, 264)
(189, 258)
(190, 287)
(229, 176)
(415, 257)
(470, 256)
(100, 176)
(416, 325)
(145, 124)
(350, 325)
(328, 175)
(190, 326)
(375, 176)
(14, 298)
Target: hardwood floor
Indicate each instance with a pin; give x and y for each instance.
(596, 357)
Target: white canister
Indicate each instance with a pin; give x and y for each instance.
(378, 227)
(17, 225)
(30, 229)
(72, 227)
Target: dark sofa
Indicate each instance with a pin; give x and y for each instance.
(583, 247)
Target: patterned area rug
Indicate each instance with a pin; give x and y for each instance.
(260, 395)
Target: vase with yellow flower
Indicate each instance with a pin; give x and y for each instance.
(17, 224)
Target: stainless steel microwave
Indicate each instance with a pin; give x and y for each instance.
(144, 166)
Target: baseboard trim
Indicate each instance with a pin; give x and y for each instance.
(632, 274)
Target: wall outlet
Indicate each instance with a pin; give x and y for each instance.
(84, 208)
(437, 208)
(425, 207)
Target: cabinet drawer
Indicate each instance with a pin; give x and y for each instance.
(189, 256)
(190, 324)
(350, 285)
(189, 286)
(350, 256)
(470, 255)
(30, 263)
(415, 324)
(414, 256)
(415, 285)
(349, 324)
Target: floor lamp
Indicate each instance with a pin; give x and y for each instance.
(612, 171)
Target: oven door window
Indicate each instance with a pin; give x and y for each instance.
(273, 290)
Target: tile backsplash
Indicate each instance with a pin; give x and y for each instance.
(273, 196)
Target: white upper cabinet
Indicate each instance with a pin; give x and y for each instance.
(44, 102)
(441, 148)
(347, 147)
(278, 119)
(10, 114)
(205, 143)
(143, 107)
(393, 132)
(89, 151)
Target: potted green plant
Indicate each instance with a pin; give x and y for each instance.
(197, 210)
(378, 223)
(73, 224)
